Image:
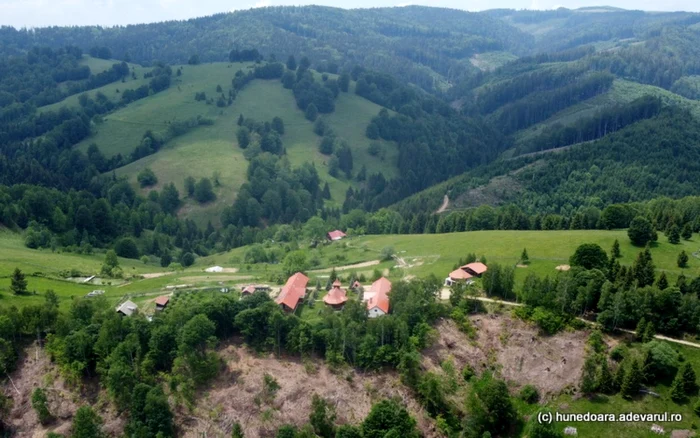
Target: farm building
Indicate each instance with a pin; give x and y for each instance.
(252, 288)
(162, 302)
(127, 308)
(377, 298)
(466, 273)
(293, 292)
(335, 235)
(336, 297)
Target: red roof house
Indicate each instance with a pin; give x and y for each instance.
(293, 292)
(377, 298)
(336, 297)
(460, 274)
(336, 235)
(247, 290)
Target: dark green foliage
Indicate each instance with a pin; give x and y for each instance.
(278, 125)
(291, 63)
(189, 186)
(498, 280)
(187, 259)
(524, 257)
(687, 232)
(615, 251)
(389, 416)
(40, 405)
(237, 431)
(674, 234)
(18, 283)
(147, 178)
(632, 382)
(682, 260)
(640, 231)
(490, 408)
(529, 394)
(327, 145)
(660, 361)
(348, 431)
(588, 375)
(311, 112)
(537, 429)
(126, 247)
(86, 424)
(243, 137)
(322, 417)
(643, 268)
(589, 256)
(203, 191)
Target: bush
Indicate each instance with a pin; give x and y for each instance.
(529, 394)
(640, 231)
(618, 353)
(187, 259)
(468, 372)
(549, 322)
(147, 178)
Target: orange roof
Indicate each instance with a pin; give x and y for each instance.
(460, 274)
(381, 286)
(162, 300)
(477, 267)
(379, 300)
(248, 289)
(293, 291)
(335, 296)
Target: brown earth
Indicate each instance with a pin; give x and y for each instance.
(34, 370)
(346, 267)
(514, 349)
(232, 397)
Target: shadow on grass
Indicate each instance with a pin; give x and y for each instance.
(599, 399)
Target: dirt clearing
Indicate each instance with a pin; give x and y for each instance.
(155, 274)
(346, 267)
(550, 363)
(563, 268)
(236, 396)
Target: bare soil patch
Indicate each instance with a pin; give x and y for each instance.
(232, 397)
(520, 266)
(445, 204)
(515, 349)
(34, 370)
(155, 274)
(563, 268)
(201, 278)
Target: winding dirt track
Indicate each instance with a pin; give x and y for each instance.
(445, 204)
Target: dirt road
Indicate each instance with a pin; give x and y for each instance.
(445, 204)
(346, 267)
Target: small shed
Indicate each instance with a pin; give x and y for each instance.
(127, 308)
(162, 302)
(335, 235)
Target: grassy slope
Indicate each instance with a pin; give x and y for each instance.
(209, 149)
(13, 254)
(112, 91)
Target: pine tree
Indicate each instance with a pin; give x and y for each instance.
(674, 234)
(687, 232)
(689, 379)
(641, 327)
(18, 283)
(643, 268)
(40, 405)
(682, 259)
(241, 120)
(524, 258)
(677, 390)
(649, 332)
(632, 381)
(604, 380)
(326, 192)
(662, 282)
(619, 377)
(615, 251)
(588, 376)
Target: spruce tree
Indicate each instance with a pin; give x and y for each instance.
(524, 258)
(662, 282)
(18, 283)
(40, 405)
(632, 381)
(619, 377)
(649, 332)
(674, 234)
(677, 390)
(643, 268)
(604, 380)
(641, 327)
(588, 376)
(615, 251)
(687, 232)
(682, 259)
(689, 379)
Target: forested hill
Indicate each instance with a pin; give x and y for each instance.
(431, 47)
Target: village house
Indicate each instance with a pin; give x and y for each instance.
(335, 235)
(293, 292)
(127, 308)
(336, 297)
(162, 302)
(377, 298)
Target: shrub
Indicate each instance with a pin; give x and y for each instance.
(127, 248)
(147, 178)
(618, 353)
(529, 394)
